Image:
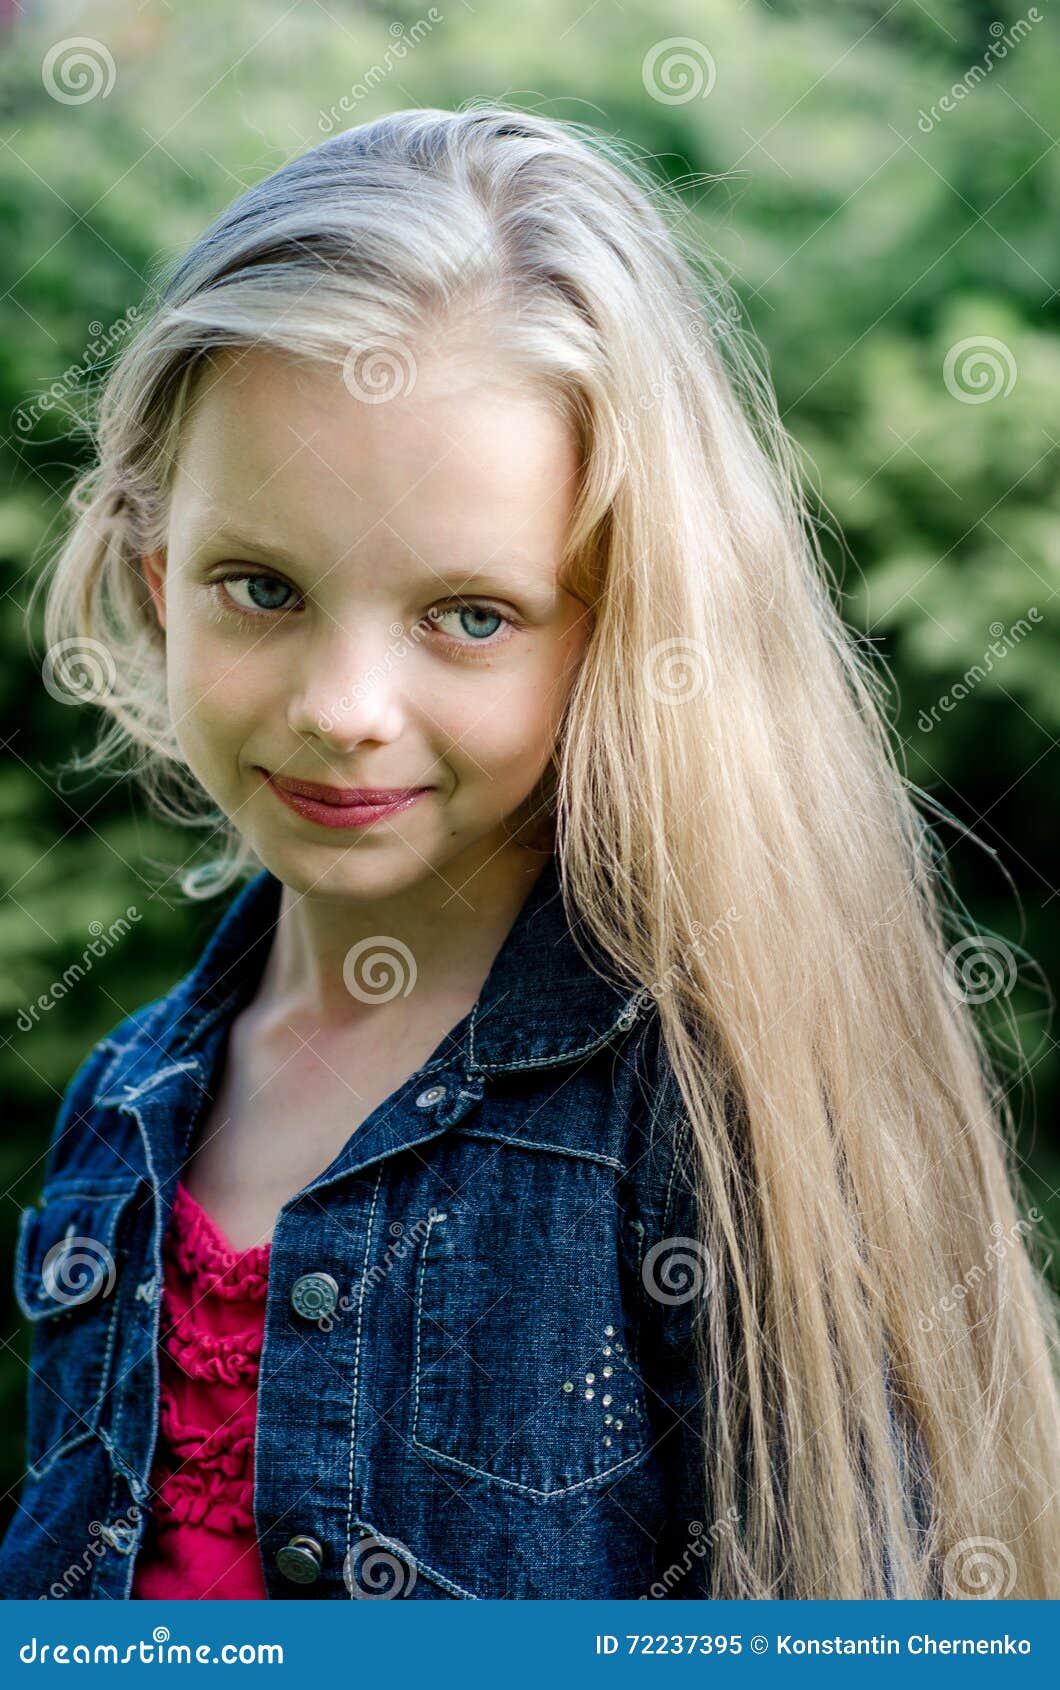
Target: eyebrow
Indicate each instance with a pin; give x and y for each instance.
(511, 578)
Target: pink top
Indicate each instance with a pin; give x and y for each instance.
(200, 1539)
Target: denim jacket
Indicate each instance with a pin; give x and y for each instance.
(477, 1377)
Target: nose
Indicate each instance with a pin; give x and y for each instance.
(348, 688)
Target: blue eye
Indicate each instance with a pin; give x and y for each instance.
(264, 597)
(475, 615)
(265, 591)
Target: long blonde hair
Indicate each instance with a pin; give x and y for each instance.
(730, 818)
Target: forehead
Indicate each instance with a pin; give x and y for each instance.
(462, 455)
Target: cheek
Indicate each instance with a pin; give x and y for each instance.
(504, 729)
(214, 688)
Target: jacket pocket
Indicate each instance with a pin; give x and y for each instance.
(67, 1272)
(522, 1375)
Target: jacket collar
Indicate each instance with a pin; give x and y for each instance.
(542, 1003)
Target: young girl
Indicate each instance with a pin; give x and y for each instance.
(569, 1170)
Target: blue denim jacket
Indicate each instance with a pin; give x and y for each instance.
(468, 1387)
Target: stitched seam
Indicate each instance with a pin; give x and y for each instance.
(529, 1490)
(621, 1024)
(38, 1470)
(186, 1066)
(668, 1199)
(85, 1189)
(420, 1272)
(537, 1144)
(357, 1359)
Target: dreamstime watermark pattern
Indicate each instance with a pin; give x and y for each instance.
(676, 1270)
(1002, 641)
(726, 320)
(372, 1570)
(79, 670)
(25, 417)
(996, 1252)
(701, 938)
(677, 70)
(72, 975)
(700, 1539)
(979, 1568)
(997, 50)
(78, 69)
(404, 641)
(379, 969)
(978, 968)
(678, 669)
(979, 369)
(78, 1269)
(405, 38)
(403, 1239)
(375, 375)
(115, 1535)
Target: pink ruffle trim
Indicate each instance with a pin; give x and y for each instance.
(205, 1477)
(202, 1253)
(205, 1355)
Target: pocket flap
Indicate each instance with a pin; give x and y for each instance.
(66, 1254)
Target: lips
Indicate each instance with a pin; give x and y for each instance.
(345, 797)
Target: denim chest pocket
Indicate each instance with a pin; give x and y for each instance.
(522, 1370)
(66, 1283)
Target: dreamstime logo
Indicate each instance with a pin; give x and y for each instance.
(976, 370)
(702, 937)
(78, 69)
(979, 968)
(103, 339)
(1002, 641)
(677, 1269)
(677, 70)
(371, 1569)
(677, 670)
(403, 1239)
(980, 1568)
(75, 1269)
(996, 1252)
(377, 374)
(327, 719)
(724, 320)
(76, 971)
(160, 1648)
(700, 1538)
(379, 969)
(998, 49)
(78, 671)
(118, 1533)
(403, 40)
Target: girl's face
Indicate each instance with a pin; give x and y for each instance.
(364, 594)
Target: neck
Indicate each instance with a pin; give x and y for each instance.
(350, 960)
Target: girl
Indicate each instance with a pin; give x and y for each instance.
(569, 1170)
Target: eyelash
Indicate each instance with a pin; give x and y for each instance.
(461, 649)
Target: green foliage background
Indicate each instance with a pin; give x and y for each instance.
(866, 241)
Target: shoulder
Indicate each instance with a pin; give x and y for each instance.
(660, 1150)
(94, 1076)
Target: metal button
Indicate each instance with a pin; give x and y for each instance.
(433, 1094)
(314, 1295)
(300, 1559)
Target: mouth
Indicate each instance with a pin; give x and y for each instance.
(342, 806)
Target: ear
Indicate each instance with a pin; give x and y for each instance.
(154, 567)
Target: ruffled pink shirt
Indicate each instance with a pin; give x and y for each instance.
(200, 1539)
